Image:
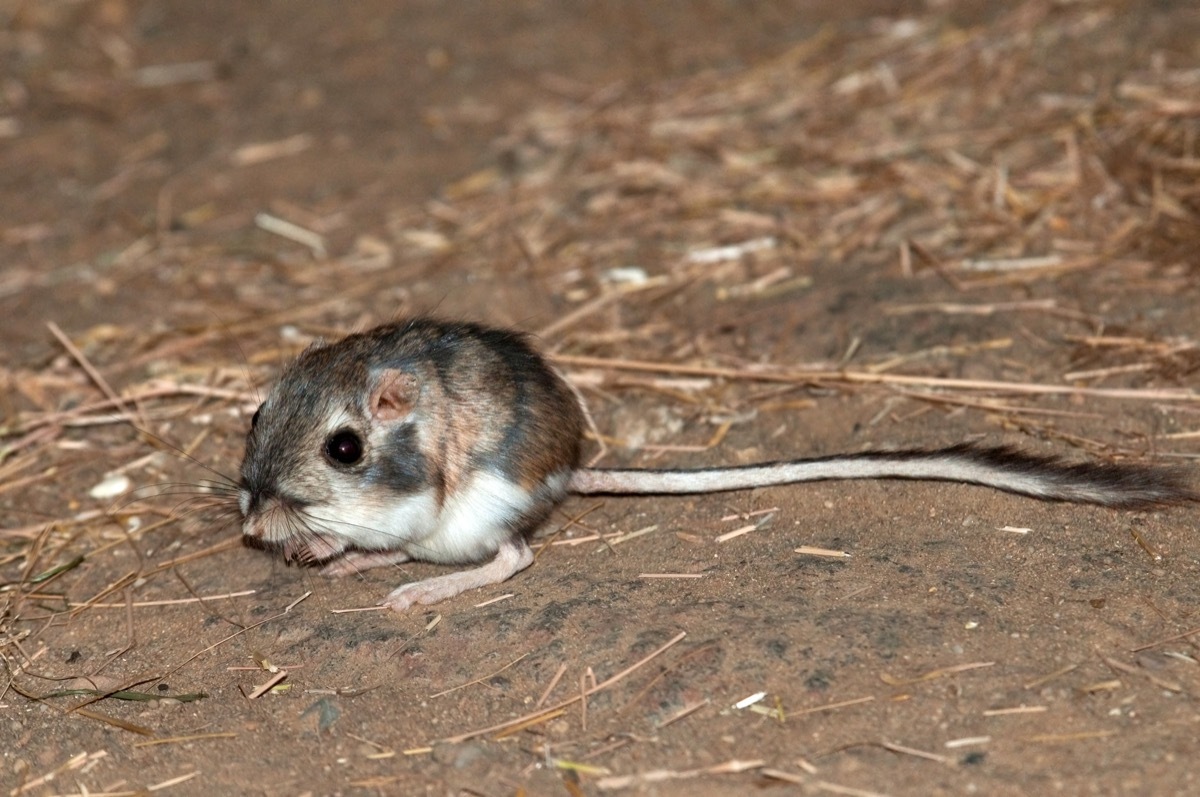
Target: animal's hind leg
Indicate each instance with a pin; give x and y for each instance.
(513, 557)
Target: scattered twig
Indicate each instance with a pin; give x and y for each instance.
(932, 674)
(95, 375)
(571, 701)
(820, 785)
(481, 678)
(808, 550)
(661, 775)
(864, 377)
(1164, 640)
(166, 602)
(558, 674)
(832, 706)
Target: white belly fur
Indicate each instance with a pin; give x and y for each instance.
(378, 525)
(473, 522)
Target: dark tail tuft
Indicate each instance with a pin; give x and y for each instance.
(1116, 484)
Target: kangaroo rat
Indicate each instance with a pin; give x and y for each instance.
(450, 442)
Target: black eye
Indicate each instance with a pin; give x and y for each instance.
(254, 417)
(344, 447)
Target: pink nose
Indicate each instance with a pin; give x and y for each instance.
(253, 528)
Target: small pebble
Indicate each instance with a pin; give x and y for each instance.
(111, 486)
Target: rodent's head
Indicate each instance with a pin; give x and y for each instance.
(329, 453)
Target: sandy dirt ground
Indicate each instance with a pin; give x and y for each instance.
(745, 232)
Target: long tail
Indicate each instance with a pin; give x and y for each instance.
(1124, 486)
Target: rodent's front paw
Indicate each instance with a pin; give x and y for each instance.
(339, 568)
(353, 562)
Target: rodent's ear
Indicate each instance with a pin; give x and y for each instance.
(394, 394)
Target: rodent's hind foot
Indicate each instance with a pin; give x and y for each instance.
(354, 562)
(514, 556)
